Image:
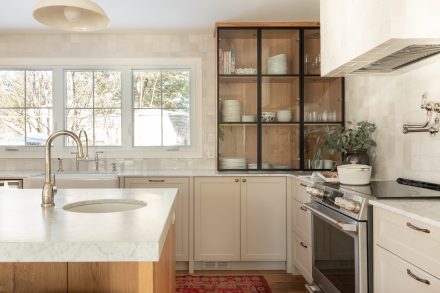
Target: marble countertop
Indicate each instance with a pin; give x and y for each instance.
(29, 233)
(17, 174)
(423, 210)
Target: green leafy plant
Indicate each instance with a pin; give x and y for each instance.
(355, 138)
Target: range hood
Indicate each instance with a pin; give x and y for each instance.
(377, 36)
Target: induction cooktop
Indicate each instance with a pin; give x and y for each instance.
(402, 188)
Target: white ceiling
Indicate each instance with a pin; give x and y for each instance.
(170, 15)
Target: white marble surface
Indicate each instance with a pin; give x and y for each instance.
(423, 210)
(29, 233)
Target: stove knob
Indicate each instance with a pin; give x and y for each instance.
(347, 204)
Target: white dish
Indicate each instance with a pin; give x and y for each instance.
(248, 118)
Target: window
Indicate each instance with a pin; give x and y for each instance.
(93, 103)
(25, 107)
(162, 107)
(135, 108)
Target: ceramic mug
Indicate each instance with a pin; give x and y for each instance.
(267, 116)
(329, 164)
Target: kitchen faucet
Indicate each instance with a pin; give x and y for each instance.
(49, 189)
(86, 153)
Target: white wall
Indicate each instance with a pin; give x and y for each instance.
(128, 45)
(391, 101)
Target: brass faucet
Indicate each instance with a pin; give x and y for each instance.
(49, 189)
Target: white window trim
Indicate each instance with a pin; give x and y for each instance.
(125, 65)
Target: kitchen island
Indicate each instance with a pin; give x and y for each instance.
(55, 250)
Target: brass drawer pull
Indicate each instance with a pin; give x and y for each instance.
(424, 281)
(303, 185)
(417, 228)
(244, 180)
(156, 180)
(303, 208)
(237, 180)
(302, 244)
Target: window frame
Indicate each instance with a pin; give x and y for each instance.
(126, 66)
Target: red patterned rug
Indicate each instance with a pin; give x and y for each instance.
(221, 284)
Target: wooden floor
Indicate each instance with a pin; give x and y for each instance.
(279, 281)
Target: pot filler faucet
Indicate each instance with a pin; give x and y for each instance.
(49, 189)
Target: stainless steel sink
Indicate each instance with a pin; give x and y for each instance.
(104, 206)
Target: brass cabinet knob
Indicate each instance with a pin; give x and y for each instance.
(237, 180)
(244, 180)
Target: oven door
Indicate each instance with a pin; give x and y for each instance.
(339, 246)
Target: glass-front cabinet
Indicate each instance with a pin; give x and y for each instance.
(274, 109)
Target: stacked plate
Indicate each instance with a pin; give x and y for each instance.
(231, 110)
(277, 64)
(233, 163)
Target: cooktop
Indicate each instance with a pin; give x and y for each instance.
(394, 190)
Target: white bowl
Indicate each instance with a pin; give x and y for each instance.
(248, 118)
(284, 116)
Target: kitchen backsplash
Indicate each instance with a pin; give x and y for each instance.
(123, 45)
(391, 101)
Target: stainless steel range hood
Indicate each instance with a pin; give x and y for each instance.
(400, 58)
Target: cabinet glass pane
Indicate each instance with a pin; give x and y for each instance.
(280, 146)
(280, 95)
(316, 155)
(312, 52)
(280, 51)
(237, 51)
(237, 99)
(237, 146)
(322, 99)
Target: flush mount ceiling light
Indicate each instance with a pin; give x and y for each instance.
(71, 15)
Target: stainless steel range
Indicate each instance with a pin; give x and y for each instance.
(341, 225)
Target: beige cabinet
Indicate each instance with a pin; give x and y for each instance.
(394, 274)
(181, 206)
(217, 219)
(263, 219)
(240, 218)
(301, 229)
(406, 254)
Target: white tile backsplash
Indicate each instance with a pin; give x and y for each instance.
(390, 101)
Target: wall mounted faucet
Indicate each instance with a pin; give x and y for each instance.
(430, 107)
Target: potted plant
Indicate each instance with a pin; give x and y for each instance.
(353, 142)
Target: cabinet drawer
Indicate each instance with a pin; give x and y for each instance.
(299, 191)
(301, 221)
(302, 256)
(393, 274)
(403, 237)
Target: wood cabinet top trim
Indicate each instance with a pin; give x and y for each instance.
(268, 24)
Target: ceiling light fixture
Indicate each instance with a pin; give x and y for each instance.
(71, 15)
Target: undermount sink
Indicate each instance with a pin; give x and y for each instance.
(104, 206)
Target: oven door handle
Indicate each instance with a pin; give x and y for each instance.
(342, 225)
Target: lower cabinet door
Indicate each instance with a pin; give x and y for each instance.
(217, 219)
(393, 274)
(263, 219)
(302, 256)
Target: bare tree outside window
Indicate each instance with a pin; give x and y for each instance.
(93, 103)
(25, 107)
(162, 107)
